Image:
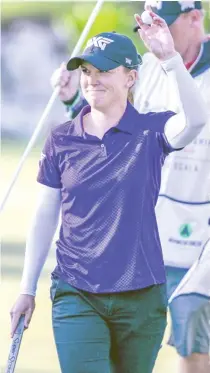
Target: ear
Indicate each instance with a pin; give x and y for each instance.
(196, 17)
(132, 77)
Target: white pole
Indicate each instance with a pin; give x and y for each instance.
(50, 103)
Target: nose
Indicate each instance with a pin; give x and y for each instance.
(93, 78)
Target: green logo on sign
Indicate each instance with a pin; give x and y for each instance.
(185, 230)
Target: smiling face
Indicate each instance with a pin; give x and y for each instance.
(102, 89)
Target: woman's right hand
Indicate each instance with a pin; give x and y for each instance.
(68, 82)
(24, 305)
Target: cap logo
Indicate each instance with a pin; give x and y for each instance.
(155, 4)
(186, 5)
(99, 42)
(127, 60)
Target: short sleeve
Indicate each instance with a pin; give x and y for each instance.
(49, 173)
(167, 148)
(158, 122)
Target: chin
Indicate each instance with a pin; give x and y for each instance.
(96, 103)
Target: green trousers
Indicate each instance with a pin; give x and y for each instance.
(108, 333)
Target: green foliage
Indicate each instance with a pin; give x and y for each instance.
(114, 16)
(207, 16)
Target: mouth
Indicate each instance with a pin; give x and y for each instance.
(95, 90)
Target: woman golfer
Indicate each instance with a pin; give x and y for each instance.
(103, 170)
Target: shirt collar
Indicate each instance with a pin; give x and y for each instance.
(202, 62)
(78, 121)
(126, 123)
(128, 120)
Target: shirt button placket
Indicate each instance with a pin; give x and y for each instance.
(103, 149)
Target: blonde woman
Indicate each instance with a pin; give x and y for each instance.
(103, 171)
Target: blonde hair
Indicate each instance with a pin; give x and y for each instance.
(131, 90)
(130, 96)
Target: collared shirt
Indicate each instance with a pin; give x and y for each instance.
(108, 239)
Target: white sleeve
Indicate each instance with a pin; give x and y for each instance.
(183, 127)
(40, 237)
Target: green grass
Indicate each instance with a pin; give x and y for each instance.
(37, 354)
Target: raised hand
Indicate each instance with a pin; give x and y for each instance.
(68, 82)
(156, 37)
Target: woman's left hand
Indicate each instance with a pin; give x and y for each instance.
(157, 37)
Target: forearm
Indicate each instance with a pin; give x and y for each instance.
(75, 105)
(181, 129)
(40, 237)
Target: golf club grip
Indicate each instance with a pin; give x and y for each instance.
(14, 349)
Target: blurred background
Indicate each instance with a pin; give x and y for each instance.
(35, 38)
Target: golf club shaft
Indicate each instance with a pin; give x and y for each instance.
(40, 124)
(14, 349)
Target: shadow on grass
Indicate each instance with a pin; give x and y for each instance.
(12, 259)
(13, 249)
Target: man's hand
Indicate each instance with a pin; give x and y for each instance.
(25, 304)
(68, 81)
(156, 37)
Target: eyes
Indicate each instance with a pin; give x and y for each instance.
(84, 69)
(87, 72)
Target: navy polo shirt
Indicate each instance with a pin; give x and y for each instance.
(109, 239)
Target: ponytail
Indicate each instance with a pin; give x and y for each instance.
(130, 97)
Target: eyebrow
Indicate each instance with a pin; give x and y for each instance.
(86, 67)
